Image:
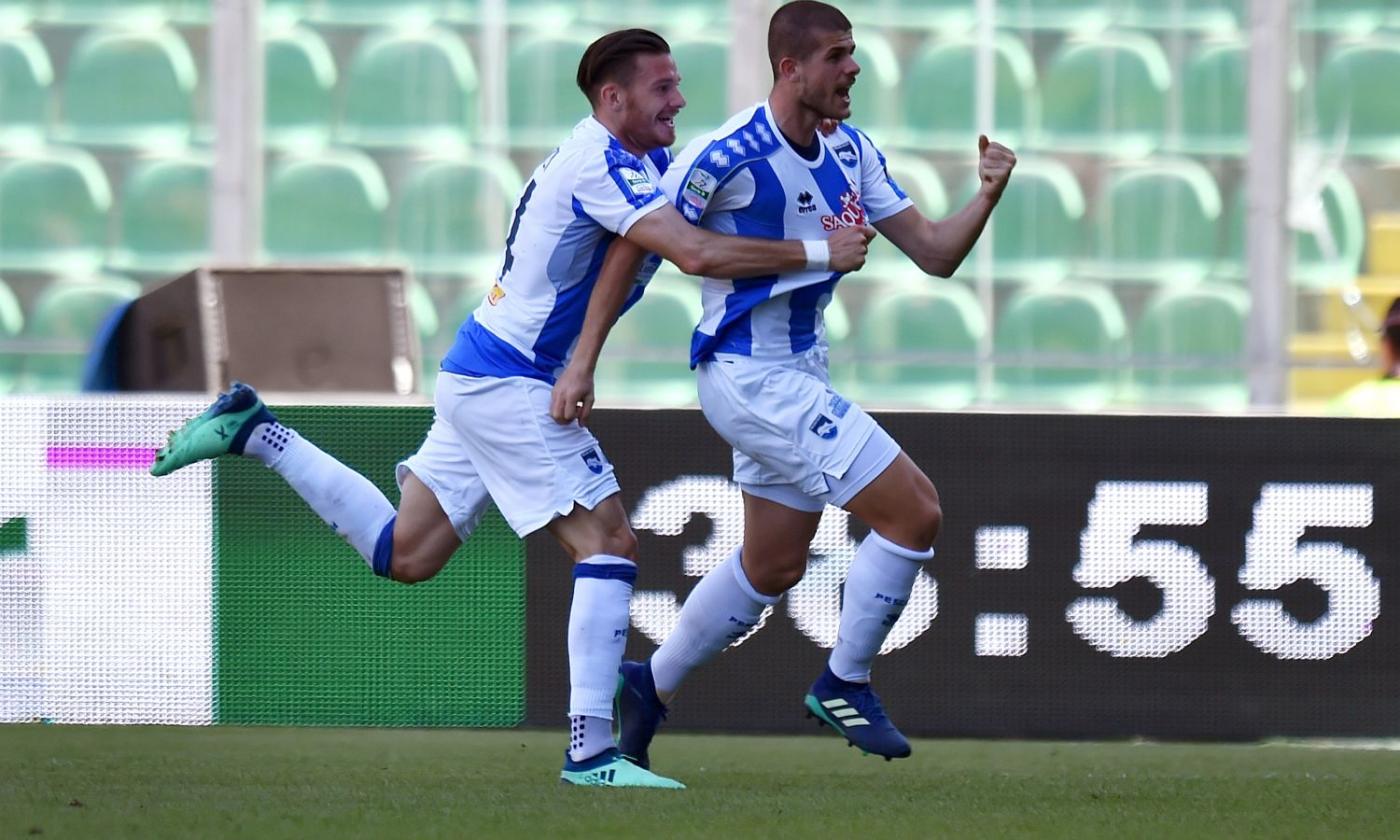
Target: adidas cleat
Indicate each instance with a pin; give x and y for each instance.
(638, 711)
(854, 711)
(610, 769)
(223, 428)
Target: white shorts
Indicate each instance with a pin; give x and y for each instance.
(493, 440)
(796, 441)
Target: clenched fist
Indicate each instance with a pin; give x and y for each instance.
(994, 166)
(848, 247)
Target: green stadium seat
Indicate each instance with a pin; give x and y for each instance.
(129, 89)
(1038, 229)
(876, 107)
(373, 12)
(1185, 15)
(949, 16)
(941, 320)
(72, 313)
(1320, 259)
(326, 208)
(1345, 17)
(948, 120)
(164, 217)
(1214, 103)
(299, 84)
(1106, 96)
(26, 77)
(665, 16)
(65, 199)
(1157, 222)
(11, 326)
(544, 102)
(919, 180)
(87, 12)
(410, 88)
(453, 213)
(1202, 329)
(1078, 16)
(1356, 98)
(646, 360)
(1061, 346)
(17, 14)
(704, 68)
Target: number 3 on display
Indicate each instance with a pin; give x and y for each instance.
(1273, 558)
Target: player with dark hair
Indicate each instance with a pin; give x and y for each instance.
(493, 437)
(1377, 397)
(760, 355)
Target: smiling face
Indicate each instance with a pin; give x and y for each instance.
(823, 78)
(647, 105)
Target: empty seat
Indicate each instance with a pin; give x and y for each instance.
(1106, 96)
(86, 12)
(129, 89)
(646, 359)
(1329, 233)
(1190, 15)
(1213, 100)
(704, 69)
(1157, 222)
(453, 213)
(948, 120)
(1038, 229)
(299, 84)
(1188, 349)
(1083, 16)
(410, 89)
(11, 325)
(55, 204)
(941, 321)
(1356, 98)
(919, 180)
(373, 12)
(667, 15)
(1061, 346)
(876, 106)
(26, 77)
(544, 102)
(951, 16)
(70, 313)
(164, 217)
(1351, 17)
(329, 207)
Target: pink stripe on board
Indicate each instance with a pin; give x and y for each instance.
(100, 457)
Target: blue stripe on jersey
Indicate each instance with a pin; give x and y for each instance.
(856, 136)
(802, 323)
(661, 158)
(576, 261)
(619, 158)
(478, 352)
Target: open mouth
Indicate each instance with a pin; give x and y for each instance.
(843, 95)
(668, 120)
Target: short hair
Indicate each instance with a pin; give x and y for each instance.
(612, 58)
(1390, 328)
(795, 28)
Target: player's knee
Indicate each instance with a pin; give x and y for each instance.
(413, 562)
(621, 542)
(778, 574)
(930, 521)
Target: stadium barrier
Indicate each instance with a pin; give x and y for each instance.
(1098, 576)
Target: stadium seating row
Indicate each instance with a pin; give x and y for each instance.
(1109, 94)
(1163, 221)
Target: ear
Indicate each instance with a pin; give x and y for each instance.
(610, 96)
(789, 68)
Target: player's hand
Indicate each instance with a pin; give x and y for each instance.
(572, 397)
(828, 126)
(994, 165)
(848, 247)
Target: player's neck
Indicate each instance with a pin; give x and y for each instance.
(797, 123)
(615, 130)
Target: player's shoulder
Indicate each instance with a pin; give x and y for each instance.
(849, 143)
(744, 138)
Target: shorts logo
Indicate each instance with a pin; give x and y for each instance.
(839, 405)
(823, 427)
(805, 204)
(846, 153)
(496, 294)
(593, 461)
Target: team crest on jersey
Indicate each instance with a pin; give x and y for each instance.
(852, 213)
(636, 181)
(593, 461)
(494, 297)
(846, 153)
(823, 427)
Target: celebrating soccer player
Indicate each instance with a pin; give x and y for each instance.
(493, 437)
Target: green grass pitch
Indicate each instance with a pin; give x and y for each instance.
(107, 782)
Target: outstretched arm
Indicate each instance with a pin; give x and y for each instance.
(939, 247)
(572, 397)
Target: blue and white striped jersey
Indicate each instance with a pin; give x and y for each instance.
(587, 192)
(745, 179)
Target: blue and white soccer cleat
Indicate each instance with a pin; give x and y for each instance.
(610, 769)
(637, 710)
(854, 711)
(223, 428)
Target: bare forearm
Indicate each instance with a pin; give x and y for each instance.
(615, 281)
(947, 242)
(742, 256)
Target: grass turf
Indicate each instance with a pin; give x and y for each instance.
(343, 783)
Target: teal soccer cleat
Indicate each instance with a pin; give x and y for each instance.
(857, 715)
(223, 428)
(610, 769)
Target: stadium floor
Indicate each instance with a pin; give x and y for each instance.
(69, 781)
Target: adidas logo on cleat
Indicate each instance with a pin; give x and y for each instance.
(845, 713)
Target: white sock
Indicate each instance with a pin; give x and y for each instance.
(722, 608)
(346, 500)
(598, 622)
(877, 588)
(589, 736)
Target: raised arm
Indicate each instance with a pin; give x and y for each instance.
(572, 397)
(697, 251)
(939, 247)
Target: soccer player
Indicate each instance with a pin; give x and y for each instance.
(760, 356)
(492, 437)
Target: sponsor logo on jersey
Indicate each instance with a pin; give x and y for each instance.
(636, 181)
(846, 153)
(701, 185)
(852, 213)
(805, 204)
(494, 297)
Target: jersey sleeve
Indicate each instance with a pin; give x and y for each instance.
(706, 183)
(615, 190)
(879, 192)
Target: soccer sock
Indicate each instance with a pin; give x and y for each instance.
(346, 500)
(598, 622)
(877, 588)
(722, 608)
